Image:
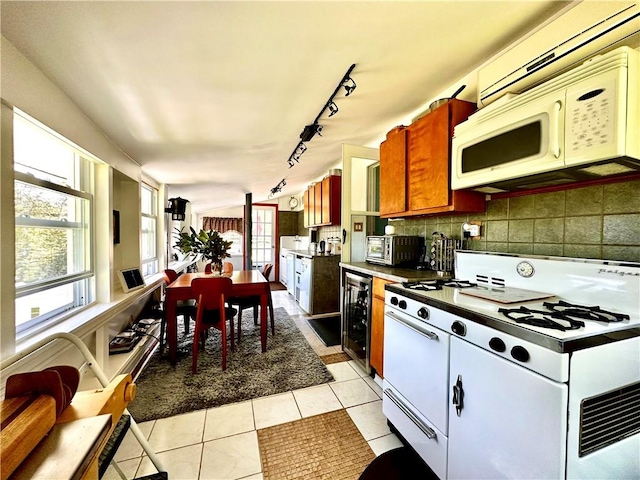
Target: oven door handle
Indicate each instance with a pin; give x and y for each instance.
(429, 432)
(414, 326)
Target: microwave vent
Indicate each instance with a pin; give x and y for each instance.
(607, 169)
(608, 418)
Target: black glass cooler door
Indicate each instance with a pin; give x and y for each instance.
(356, 312)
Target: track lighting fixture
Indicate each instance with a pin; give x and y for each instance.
(278, 188)
(309, 131)
(349, 85)
(333, 108)
(177, 208)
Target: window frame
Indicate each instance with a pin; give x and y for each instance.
(83, 281)
(150, 216)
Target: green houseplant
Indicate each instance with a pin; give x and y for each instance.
(207, 244)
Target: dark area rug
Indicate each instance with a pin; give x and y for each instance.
(327, 328)
(288, 364)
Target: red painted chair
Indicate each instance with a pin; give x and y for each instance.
(211, 294)
(184, 308)
(254, 302)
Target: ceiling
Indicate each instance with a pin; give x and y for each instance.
(211, 97)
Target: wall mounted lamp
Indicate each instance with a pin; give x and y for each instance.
(177, 208)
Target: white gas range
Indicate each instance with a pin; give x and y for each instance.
(500, 375)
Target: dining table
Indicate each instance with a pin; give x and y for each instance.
(246, 283)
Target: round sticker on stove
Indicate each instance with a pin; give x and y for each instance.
(525, 269)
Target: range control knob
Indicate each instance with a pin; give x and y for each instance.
(459, 328)
(520, 353)
(402, 304)
(496, 344)
(394, 300)
(423, 313)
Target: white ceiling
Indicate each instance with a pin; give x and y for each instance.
(211, 97)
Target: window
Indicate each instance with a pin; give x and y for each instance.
(148, 245)
(53, 213)
(236, 238)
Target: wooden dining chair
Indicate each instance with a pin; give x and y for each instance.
(244, 303)
(211, 294)
(184, 308)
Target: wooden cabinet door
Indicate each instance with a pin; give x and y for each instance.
(308, 208)
(393, 158)
(317, 207)
(331, 200)
(326, 201)
(428, 160)
(376, 357)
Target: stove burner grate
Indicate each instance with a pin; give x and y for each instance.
(585, 313)
(542, 318)
(455, 283)
(431, 285)
(424, 285)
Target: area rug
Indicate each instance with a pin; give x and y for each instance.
(327, 446)
(288, 364)
(335, 358)
(327, 328)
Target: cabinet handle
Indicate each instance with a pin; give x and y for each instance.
(556, 131)
(429, 432)
(458, 395)
(425, 333)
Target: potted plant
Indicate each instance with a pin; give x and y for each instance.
(208, 245)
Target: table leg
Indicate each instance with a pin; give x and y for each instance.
(263, 319)
(172, 330)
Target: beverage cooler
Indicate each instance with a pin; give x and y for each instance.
(356, 318)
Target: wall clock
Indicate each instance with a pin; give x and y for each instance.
(293, 202)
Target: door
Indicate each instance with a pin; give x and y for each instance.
(355, 191)
(512, 423)
(263, 236)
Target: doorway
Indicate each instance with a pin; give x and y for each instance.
(264, 223)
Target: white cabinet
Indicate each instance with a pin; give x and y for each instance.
(304, 268)
(291, 274)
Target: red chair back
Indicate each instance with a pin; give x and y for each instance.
(208, 268)
(267, 270)
(208, 291)
(170, 276)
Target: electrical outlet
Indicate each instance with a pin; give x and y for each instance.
(475, 229)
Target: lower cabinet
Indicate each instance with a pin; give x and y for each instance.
(377, 326)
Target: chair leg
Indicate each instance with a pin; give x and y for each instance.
(163, 322)
(255, 314)
(239, 327)
(223, 334)
(233, 348)
(186, 320)
(273, 326)
(194, 353)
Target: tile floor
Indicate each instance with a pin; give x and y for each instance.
(221, 443)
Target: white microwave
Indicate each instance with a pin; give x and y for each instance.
(582, 125)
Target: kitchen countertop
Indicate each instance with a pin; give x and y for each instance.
(393, 274)
(305, 253)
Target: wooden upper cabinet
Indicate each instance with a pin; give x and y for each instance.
(322, 202)
(425, 182)
(393, 168)
(308, 208)
(428, 161)
(317, 210)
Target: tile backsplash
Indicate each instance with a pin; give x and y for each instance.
(601, 221)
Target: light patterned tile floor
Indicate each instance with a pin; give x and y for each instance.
(221, 443)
